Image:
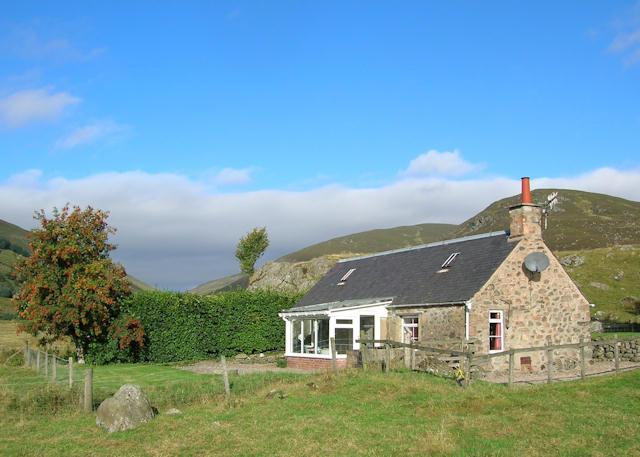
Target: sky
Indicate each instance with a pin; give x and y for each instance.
(192, 122)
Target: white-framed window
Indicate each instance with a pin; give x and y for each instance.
(496, 331)
(310, 336)
(410, 329)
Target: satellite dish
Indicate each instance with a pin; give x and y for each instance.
(536, 262)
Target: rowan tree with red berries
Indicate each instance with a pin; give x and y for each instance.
(70, 287)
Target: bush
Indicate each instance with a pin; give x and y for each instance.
(182, 326)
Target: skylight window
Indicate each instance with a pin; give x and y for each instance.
(447, 263)
(346, 276)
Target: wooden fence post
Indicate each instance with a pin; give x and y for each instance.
(467, 373)
(583, 369)
(46, 364)
(512, 357)
(334, 363)
(363, 350)
(225, 378)
(54, 369)
(387, 357)
(616, 353)
(88, 390)
(38, 361)
(70, 372)
(26, 353)
(549, 365)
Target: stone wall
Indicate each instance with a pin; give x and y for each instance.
(629, 350)
(537, 308)
(434, 322)
(314, 363)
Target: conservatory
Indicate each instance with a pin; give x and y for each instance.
(309, 329)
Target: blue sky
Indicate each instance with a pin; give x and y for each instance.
(238, 101)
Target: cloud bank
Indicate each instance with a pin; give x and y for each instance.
(175, 232)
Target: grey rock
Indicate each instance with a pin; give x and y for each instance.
(128, 408)
(291, 276)
(599, 285)
(572, 260)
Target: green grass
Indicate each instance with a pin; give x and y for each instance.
(596, 278)
(354, 414)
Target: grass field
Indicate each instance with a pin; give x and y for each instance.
(356, 413)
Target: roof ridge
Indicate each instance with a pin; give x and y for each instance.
(428, 245)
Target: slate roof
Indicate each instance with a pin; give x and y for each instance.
(411, 275)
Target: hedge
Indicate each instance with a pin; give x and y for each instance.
(182, 326)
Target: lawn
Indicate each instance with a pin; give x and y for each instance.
(357, 413)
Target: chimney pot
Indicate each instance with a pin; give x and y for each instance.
(526, 191)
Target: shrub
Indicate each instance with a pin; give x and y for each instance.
(182, 326)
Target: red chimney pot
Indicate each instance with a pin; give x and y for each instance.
(526, 191)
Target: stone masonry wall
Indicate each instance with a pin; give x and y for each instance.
(629, 350)
(434, 322)
(537, 308)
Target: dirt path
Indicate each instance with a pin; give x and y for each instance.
(214, 367)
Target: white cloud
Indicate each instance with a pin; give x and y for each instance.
(435, 163)
(27, 106)
(90, 134)
(175, 232)
(232, 176)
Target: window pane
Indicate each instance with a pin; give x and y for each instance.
(323, 336)
(344, 321)
(367, 325)
(344, 340)
(309, 337)
(295, 336)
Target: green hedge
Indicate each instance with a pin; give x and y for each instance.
(182, 326)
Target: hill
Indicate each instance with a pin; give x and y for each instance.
(580, 220)
(374, 241)
(233, 282)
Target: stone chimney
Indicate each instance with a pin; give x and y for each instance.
(526, 217)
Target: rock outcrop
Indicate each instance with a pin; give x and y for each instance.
(292, 276)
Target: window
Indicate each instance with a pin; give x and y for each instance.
(410, 329)
(310, 336)
(344, 321)
(368, 327)
(344, 340)
(496, 333)
(346, 276)
(447, 263)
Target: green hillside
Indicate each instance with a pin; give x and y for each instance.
(374, 241)
(228, 283)
(609, 278)
(580, 220)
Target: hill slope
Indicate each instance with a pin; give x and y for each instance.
(374, 241)
(580, 220)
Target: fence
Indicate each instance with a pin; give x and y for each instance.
(620, 327)
(56, 370)
(468, 362)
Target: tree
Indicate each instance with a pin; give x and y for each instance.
(69, 285)
(250, 248)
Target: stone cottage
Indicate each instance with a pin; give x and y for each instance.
(476, 289)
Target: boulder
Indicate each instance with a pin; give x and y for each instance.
(128, 408)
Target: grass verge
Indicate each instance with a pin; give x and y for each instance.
(357, 413)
